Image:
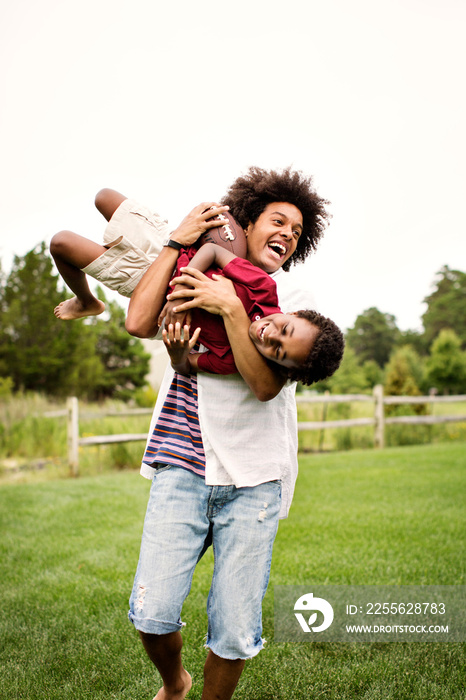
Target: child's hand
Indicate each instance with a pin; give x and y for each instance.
(179, 345)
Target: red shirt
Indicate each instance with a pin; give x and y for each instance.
(258, 293)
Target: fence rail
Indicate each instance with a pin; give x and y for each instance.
(378, 421)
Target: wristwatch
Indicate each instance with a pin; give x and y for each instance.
(172, 244)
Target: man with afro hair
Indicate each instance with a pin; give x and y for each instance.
(250, 194)
(222, 450)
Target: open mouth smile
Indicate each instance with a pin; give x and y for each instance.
(277, 249)
(261, 332)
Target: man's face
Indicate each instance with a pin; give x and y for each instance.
(273, 238)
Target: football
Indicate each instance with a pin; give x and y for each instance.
(230, 236)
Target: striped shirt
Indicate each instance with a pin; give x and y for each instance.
(176, 438)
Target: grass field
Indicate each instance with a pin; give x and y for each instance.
(69, 550)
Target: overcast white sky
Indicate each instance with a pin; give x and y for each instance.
(168, 102)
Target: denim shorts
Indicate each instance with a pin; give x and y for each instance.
(183, 517)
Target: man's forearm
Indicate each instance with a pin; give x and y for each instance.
(218, 296)
(149, 295)
(262, 379)
(148, 298)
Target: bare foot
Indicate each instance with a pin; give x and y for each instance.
(73, 308)
(164, 694)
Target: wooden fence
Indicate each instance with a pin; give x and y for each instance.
(378, 419)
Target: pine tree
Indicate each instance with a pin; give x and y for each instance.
(446, 306)
(403, 377)
(446, 366)
(38, 352)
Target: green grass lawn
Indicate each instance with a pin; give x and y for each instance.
(69, 550)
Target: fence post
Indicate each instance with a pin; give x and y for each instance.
(73, 434)
(379, 417)
(323, 419)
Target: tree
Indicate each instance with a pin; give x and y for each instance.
(446, 366)
(125, 361)
(446, 306)
(41, 353)
(373, 336)
(403, 377)
(416, 339)
(349, 378)
(404, 373)
(36, 353)
(372, 372)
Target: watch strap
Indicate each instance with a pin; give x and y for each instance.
(173, 244)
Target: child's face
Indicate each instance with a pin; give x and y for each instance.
(274, 236)
(284, 338)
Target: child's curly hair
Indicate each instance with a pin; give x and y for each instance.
(249, 195)
(326, 354)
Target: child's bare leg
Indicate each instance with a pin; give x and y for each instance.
(107, 202)
(71, 253)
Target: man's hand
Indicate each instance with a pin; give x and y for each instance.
(216, 295)
(195, 223)
(148, 298)
(179, 345)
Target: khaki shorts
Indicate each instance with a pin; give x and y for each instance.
(134, 237)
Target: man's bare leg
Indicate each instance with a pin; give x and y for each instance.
(221, 677)
(71, 253)
(165, 653)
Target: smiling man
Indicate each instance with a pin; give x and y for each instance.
(274, 235)
(222, 450)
